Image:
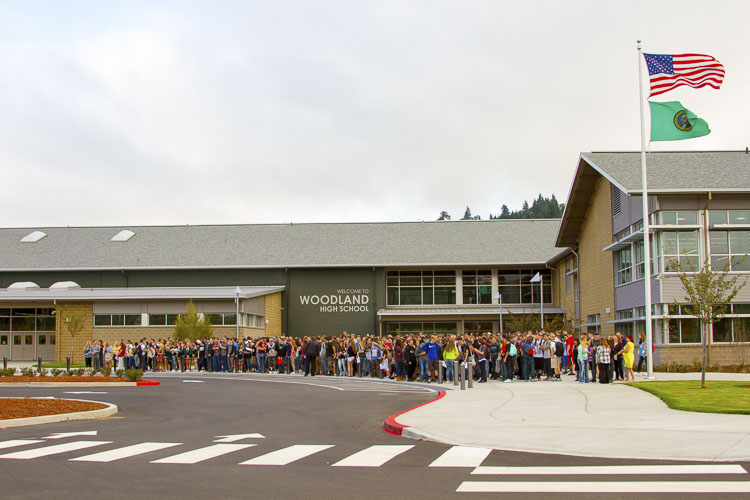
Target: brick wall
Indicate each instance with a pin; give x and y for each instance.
(719, 354)
(596, 268)
(273, 315)
(66, 345)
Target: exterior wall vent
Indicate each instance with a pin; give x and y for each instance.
(33, 237)
(123, 235)
(616, 201)
(23, 285)
(64, 285)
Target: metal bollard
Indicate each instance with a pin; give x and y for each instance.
(462, 376)
(380, 371)
(5, 363)
(67, 363)
(440, 373)
(39, 364)
(455, 372)
(470, 375)
(360, 367)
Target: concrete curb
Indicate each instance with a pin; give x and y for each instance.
(392, 427)
(141, 383)
(110, 410)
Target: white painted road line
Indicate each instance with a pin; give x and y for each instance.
(61, 435)
(85, 392)
(462, 456)
(588, 470)
(18, 442)
(606, 487)
(287, 455)
(374, 456)
(127, 451)
(192, 381)
(231, 438)
(54, 449)
(201, 454)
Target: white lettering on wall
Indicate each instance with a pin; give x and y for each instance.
(345, 300)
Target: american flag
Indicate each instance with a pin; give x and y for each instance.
(667, 72)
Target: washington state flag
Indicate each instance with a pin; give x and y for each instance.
(671, 121)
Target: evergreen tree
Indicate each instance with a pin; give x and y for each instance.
(191, 325)
(467, 214)
(444, 216)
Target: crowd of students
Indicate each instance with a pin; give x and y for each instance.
(530, 356)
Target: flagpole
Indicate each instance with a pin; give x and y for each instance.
(646, 235)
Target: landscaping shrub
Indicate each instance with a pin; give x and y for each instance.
(79, 372)
(120, 373)
(134, 375)
(27, 372)
(8, 372)
(56, 372)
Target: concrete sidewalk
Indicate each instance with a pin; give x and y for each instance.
(569, 418)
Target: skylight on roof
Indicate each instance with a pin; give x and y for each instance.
(64, 285)
(123, 235)
(23, 285)
(33, 237)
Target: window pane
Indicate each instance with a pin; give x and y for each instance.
(392, 296)
(674, 331)
(16, 340)
(717, 216)
(214, 319)
(411, 281)
(741, 308)
(445, 295)
(689, 242)
(118, 319)
(669, 242)
(4, 324)
(45, 323)
(723, 330)
(526, 294)
(157, 319)
(739, 242)
(410, 296)
(230, 319)
(741, 330)
(470, 295)
(133, 319)
(3, 340)
(511, 294)
(392, 280)
(445, 278)
(52, 340)
(427, 296)
(689, 264)
(485, 294)
(687, 218)
(508, 278)
(102, 320)
(42, 340)
(28, 340)
(690, 332)
(669, 217)
(740, 263)
(470, 277)
(22, 320)
(718, 263)
(739, 216)
(719, 242)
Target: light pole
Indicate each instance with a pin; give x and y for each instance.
(538, 278)
(499, 298)
(237, 292)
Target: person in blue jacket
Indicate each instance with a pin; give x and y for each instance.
(431, 348)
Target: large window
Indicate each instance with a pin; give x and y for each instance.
(681, 218)
(684, 331)
(732, 248)
(477, 327)
(39, 319)
(680, 246)
(426, 328)
(728, 217)
(222, 319)
(593, 322)
(117, 320)
(477, 287)
(162, 319)
(407, 288)
(624, 265)
(515, 287)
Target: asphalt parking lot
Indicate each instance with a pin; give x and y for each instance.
(271, 436)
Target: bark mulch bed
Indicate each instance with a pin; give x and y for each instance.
(27, 407)
(25, 379)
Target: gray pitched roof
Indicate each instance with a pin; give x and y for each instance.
(727, 171)
(495, 242)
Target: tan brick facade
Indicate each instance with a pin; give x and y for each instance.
(66, 344)
(560, 296)
(273, 315)
(596, 268)
(719, 354)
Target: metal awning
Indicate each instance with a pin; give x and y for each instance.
(627, 240)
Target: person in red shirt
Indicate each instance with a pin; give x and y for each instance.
(570, 342)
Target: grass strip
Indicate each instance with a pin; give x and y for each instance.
(687, 395)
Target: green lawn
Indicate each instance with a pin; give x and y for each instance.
(61, 364)
(687, 395)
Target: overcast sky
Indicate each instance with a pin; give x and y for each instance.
(143, 113)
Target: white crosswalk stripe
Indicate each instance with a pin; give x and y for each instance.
(287, 455)
(126, 452)
(374, 456)
(201, 454)
(462, 456)
(53, 450)
(589, 470)
(627, 487)
(18, 442)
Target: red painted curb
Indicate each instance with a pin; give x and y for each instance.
(147, 382)
(392, 427)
